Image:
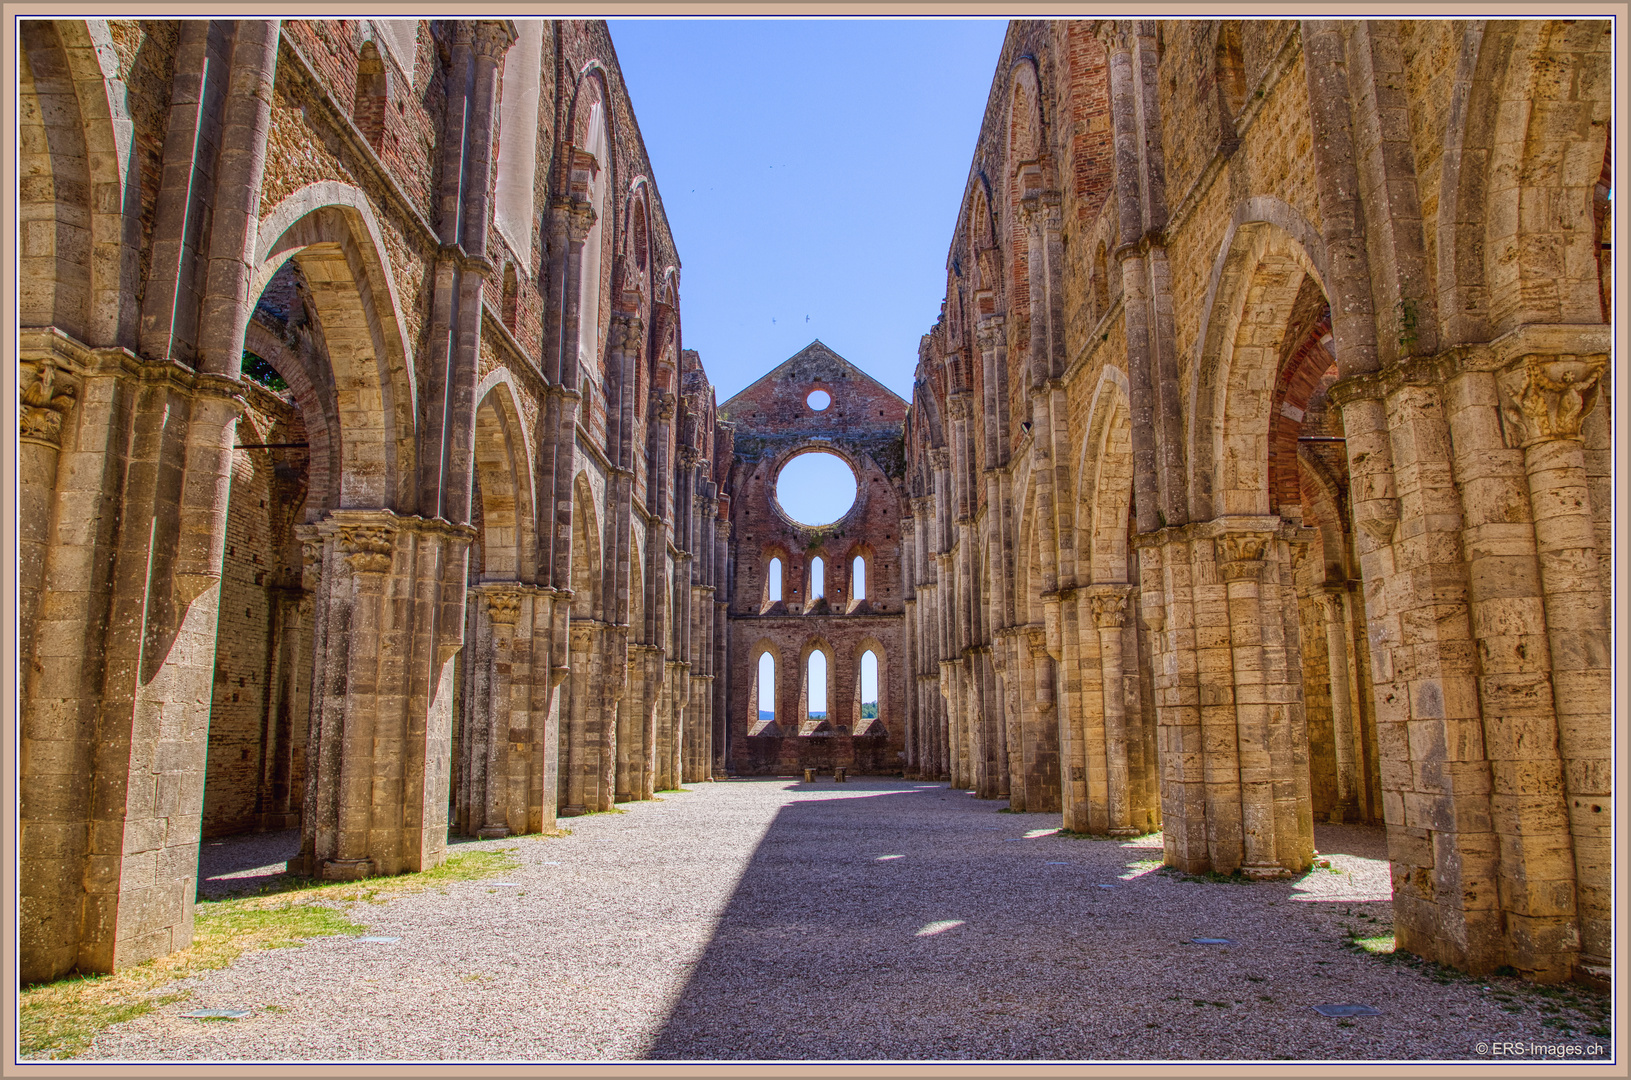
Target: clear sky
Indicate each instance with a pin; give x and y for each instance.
(812, 173)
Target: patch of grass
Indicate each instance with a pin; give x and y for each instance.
(665, 790)
(1235, 878)
(1376, 944)
(1071, 834)
(59, 1019)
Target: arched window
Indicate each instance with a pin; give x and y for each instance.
(857, 580)
(869, 685)
(589, 303)
(773, 581)
(767, 688)
(818, 578)
(816, 690)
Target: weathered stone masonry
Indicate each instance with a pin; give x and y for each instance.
(367, 487)
(1256, 472)
(1257, 464)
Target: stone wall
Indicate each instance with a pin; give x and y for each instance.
(1234, 459)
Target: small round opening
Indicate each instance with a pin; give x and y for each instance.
(816, 488)
(818, 400)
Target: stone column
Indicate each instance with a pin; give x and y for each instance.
(47, 393)
(390, 618)
(1345, 732)
(1547, 399)
(1041, 728)
(575, 751)
(288, 704)
(503, 613)
(1108, 611)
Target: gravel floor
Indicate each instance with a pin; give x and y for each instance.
(882, 919)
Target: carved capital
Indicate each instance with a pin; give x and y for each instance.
(1109, 610)
(989, 333)
(503, 606)
(368, 547)
(311, 556)
(490, 38)
(1548, 397)
(958, 406)
(663, 405)
(46, 397)
(580, 217)
(1241, 555)
(940, 457)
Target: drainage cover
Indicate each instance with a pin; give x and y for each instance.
(1053, 863)
(379, 940)
(1347, 1010)
(1211, 941)
(216, 1014)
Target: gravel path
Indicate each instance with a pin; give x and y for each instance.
(882, 919)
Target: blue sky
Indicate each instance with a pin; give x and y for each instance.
(811, 172)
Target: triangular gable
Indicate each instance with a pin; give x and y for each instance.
(820, 355)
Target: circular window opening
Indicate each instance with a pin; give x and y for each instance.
(816, 488)
(818, 400)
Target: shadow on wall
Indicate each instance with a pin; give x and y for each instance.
(899, 920)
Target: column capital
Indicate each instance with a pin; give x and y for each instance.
(1546, 397)
(311, 556)
(46, 395)
(1241, 556)
(579, 217)
(368, 547)
(490, 38)
(1109, 609)
(503, 603)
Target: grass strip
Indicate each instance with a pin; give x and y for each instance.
(59, 1019)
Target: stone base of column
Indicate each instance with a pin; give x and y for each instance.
(492, 832)
(1596, 972)
(571, 811)
(347, 869)
(1126, 832)
(1265, 872)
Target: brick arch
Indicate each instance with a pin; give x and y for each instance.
(638, 631)
(330, 232)
(1307, 371)
(1105, 479)
(1028, 560)
(586, 562)
(503, 472)
(1322, 502)
(312, 387)
(1267, 253)
(592, 101)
